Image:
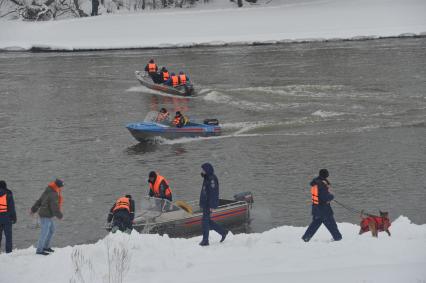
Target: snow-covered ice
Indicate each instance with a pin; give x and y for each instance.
(278, 255)
(282, 21)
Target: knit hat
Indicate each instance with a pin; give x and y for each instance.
(152, 174)
(59, 183)
(323, 173)
(3, 184)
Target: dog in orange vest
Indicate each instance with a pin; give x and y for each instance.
(374, 223)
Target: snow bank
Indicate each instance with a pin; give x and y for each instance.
(277, 255)
(283, 22)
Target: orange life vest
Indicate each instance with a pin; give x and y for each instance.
(182, 79)
(175, 81)
(314, 194)
(122, 203)
(58, 190)
(3, 203)
(166, 76)
(156, 187)
(152, 67)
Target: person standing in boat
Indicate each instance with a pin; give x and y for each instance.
(321, 208)
(209, 199)
(152, 69)
(180, 121)
(7, 215)
(159, 186)
(49, 205)
(122, 214)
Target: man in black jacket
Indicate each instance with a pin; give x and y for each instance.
(122, 214)
(321, 208)
(7, 215)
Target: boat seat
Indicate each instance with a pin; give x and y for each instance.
(184, 206)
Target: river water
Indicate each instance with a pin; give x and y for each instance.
(355, 108)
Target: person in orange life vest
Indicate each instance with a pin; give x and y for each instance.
(180, 120)
(7, 215)
(321, 208)
(173, 80)
(183, 78)
(152, 69)
(164, 75)
(163, 115)
(48, 206)
(159, 187)
(122, 214)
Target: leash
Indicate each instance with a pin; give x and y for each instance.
(351, 209)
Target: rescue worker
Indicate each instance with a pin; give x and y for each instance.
(159, 186)
(48, 206)
(122, 214)
(321, 208)
(209, 199)
(183, 78)
(152, 69)
(180, 120)
(163, 115)
(164, 75)
(173, 80)
(7, 215)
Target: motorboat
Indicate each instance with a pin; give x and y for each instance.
(180, 90)
(183, 219)
(153, 127)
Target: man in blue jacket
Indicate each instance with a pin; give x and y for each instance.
(7, 215)
(209, 199)
(321, 208)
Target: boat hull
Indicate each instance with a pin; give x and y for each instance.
(235, 218)
(187, 90)
(143, 132)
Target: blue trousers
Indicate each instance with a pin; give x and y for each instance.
(7, 229)
(47, 230)
(329, 223)
(208, 224)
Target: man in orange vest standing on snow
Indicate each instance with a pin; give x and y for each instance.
(321, 208)
(159, 186)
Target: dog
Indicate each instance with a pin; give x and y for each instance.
(375, 223)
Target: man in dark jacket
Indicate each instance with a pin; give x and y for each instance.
(49, 205)
(209, 199)
(321, 208)
(7, 215)
(159, 186)
(122, 214)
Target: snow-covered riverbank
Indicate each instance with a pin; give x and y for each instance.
(278, 255)
(280, 22)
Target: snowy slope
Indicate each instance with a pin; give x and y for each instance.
(280, 21)
(278, 255)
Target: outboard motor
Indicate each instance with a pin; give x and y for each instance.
(244, 196)
(212, 122)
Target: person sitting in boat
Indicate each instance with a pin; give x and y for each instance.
(159, 186)
(163, 115)
(122, 214)
(152, 69)
(173, 80)
(180, 120)
(183, 78)
(164, 74)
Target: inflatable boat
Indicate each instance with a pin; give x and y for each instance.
(181, 90)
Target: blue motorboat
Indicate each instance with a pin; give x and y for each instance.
(152, 127)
